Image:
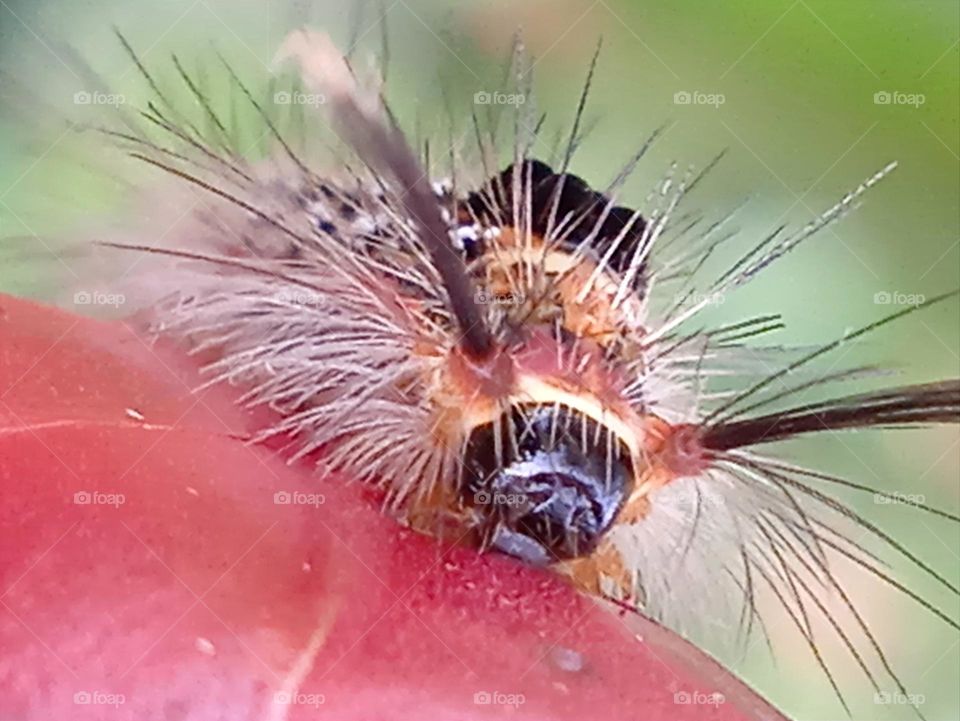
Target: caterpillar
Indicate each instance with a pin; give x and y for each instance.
(487, 354)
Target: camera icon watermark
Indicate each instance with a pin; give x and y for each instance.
(895, 698)
(97, 498)
(285, 698)
(696, 97)
(486, 498)
(698, 698)
(496, 698)
(297, 97)
(897, 298)
(82, 97)
(897, 498)
(87, 297)
(484, 297)
(298, 498)
(700, 299)
(99, 698)
(895, 97)
(484, 97)
(302, 298)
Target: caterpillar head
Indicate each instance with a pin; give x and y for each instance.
(553, 490)
(550, 445)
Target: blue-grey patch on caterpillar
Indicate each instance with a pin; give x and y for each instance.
(388, 323)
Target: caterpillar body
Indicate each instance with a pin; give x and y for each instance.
(493, 353)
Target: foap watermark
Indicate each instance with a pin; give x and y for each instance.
(285, 698)
(83, 97)
(301, 298)
(898, 698)
(94, 297)
(897, 498)
(298, 97)
(98, 498)
(497, 698)
(698, 299)
(297, 498)
(483, 97)
(696, 97)
(698, 698)
(484, 297)
(895, 97)
(485, 498)
(99, 698)
(897, 298)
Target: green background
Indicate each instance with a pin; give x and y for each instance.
(801, 128)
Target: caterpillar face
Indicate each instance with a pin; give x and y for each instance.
(546, 482)
(548, 445)
(549, 449)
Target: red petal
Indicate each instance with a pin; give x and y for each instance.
(177, 587)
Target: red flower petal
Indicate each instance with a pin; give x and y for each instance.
(149, 571)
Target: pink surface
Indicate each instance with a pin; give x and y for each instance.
(177, 588)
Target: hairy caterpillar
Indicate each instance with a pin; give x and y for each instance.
(515, 392)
